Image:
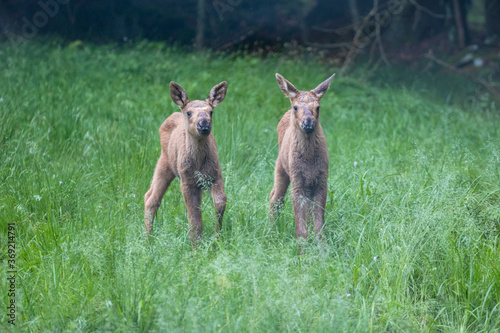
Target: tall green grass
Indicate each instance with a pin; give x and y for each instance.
(412, 218)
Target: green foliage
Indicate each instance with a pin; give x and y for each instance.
(412, 228)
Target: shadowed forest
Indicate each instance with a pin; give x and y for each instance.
(460, 36)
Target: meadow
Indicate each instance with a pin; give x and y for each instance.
(412, 219)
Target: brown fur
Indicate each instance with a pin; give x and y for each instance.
(302, 159)
(188, 151)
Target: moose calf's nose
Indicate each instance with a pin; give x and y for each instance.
(204, 123)
(204, 127)
(307, 125)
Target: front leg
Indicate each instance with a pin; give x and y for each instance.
(192, 198)
(302, 210)
(319, 210)
(219, 198)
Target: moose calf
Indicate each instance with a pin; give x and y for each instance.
(188, 151)
(302, 158)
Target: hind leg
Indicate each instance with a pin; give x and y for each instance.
(219, 198)
(162, 178)
(277, 195)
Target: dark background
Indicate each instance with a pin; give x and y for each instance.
(465, 33)
(220, 24)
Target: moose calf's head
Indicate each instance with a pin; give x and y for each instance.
(305, 104)
(198, 114)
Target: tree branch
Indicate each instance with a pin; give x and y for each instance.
(427, 10)
(491, 89)
(354, 48)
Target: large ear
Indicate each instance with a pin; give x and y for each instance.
(323, 87)
(178, 94)
(286, 87)
(217, 94)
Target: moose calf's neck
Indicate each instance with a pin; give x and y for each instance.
(306, 143)
(197, 147)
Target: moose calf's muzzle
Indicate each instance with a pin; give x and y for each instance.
(203, 126)
(308, 122)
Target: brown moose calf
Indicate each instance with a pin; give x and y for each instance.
(302, 158)
(188, 151)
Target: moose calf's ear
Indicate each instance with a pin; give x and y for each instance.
(217, 94)
(323, 87)
(178, 94)
(286, 87)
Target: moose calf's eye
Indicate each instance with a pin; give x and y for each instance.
(211, 112)
(188, 114)
(317, 108)
(295, 108)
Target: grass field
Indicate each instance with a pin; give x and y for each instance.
(412, 219)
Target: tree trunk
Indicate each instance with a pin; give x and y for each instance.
(200, 27)
(492, 14)
(460, 13)
(353, 8)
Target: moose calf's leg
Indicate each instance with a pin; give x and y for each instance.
(152, 199)
(277, 195)
(192, 199)
(319, 211)
(302, 211)
(219, 198)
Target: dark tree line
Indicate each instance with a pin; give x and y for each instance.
(228, 24)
